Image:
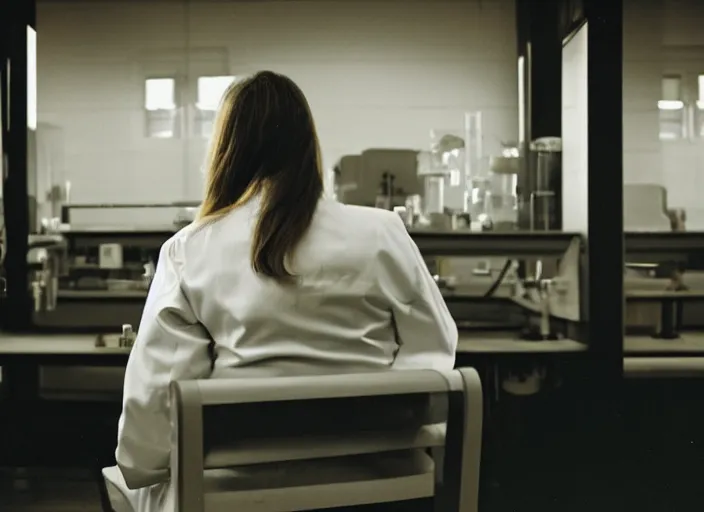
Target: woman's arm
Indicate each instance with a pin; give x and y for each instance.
(171, 345)
(427, 333)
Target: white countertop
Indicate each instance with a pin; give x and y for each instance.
(688, 342)
(478, 342)
(469, 342)
(55, 344)
(663, 367)
(503, 342)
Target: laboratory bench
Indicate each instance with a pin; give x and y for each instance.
(96, 371)
(544, 428)
(493, 352)
(529, 439)
(59, 346)
(687, 344)
(505, 342)
(24, 355)
(77, 345)
(682, 358)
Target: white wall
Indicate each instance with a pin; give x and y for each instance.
(377, 74)
(642, 72)
(683, 160)
(662, 37)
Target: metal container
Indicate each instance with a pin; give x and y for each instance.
(540, 191)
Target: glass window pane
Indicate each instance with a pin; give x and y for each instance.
(672, 88)
(699, 121)
(211, 90)
(672, 124)
(160, 94)
(205, 120)
(671, 107)
(162, 124)
(160, 128)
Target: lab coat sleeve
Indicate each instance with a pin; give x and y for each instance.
(171, 345)
(426, 332)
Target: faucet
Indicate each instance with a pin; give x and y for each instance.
(45, 281)
(544, 290)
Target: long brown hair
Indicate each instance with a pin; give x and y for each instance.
(264, 142)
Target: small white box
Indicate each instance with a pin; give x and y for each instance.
(110, 256)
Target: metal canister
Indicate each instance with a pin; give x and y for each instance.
(544, 185)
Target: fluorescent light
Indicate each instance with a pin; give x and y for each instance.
(670, 105)
(700, 104)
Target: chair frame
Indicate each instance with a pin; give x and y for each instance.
(461, 462)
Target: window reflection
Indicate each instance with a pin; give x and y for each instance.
(210, 90)
(671, 109)
(160, 107)
(134, 100)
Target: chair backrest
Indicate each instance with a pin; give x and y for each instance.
(269, 444)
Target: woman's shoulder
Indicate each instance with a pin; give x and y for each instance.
(376, 229)
(182, 235)
(364, 217)
(175, 247)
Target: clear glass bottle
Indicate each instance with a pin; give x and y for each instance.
(477, 182)
(434, 184)
(447, 155)
(504, 171)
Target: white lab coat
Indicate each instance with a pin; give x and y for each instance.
(364, 301)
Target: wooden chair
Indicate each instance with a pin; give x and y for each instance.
(311, 443)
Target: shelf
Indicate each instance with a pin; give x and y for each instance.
(527, 244)
(138, 239)
(664, 242)
(101, 294)
(514, 244)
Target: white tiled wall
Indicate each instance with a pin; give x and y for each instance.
(662, 37)
(642, 69)
(683, 160)
(377, 74)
